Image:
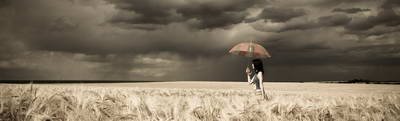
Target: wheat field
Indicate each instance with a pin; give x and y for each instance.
(231, 102)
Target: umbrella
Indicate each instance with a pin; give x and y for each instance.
(250, 49)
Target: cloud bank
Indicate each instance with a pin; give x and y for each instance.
(190, 39)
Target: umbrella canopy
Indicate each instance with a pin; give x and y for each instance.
(250, 49)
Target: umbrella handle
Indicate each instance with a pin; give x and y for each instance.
(249, 65)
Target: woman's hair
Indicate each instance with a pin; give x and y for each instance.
(258, 65)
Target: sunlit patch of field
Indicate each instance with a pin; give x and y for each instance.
(199, 101)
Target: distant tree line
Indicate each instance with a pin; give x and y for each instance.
(367, 81)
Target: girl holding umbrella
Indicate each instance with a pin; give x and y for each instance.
(255, 75)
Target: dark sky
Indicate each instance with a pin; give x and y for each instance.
(190, 39)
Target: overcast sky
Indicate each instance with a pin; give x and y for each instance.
(190, 39)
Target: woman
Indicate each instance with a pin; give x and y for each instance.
(256, 76)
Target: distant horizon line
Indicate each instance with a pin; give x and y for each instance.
(44, 81)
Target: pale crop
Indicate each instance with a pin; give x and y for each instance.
(90, 103)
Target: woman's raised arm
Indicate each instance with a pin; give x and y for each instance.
(249, 79)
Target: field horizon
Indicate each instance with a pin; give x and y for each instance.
(359, 81)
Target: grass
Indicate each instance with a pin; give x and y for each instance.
(84, 103)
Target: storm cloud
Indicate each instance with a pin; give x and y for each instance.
(280, 14)
(190, 39)
(198, 13)
(387, 16)
(350, 10)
